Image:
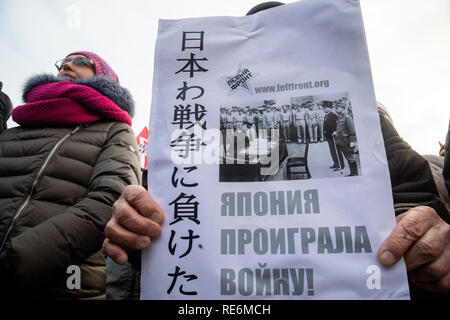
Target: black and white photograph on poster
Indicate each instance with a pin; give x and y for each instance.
(305, 138)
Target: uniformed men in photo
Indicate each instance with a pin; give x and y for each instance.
(239, 120)
(260, 120)
(249, 125)
(320, 116)
(285, 120)
(223, 112)
(300, 124)
(311, 122)
(229, 120)
(345, 137)
(271, 120)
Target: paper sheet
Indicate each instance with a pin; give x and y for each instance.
(266, 217)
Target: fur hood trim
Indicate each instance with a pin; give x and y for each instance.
(120, 95)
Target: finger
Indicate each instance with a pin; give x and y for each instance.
(130, 219)
(113, 251)
(429, 247)
(142, 201)
(408, 230)
(442, 285)
(122, 237)
(433, 271)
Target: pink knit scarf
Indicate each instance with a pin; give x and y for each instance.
(66, 103)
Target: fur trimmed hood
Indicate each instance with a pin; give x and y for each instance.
(118, 94)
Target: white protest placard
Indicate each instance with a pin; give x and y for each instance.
(262, 199)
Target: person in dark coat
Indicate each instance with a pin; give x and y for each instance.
(329, 127)
(345, 137)
(61, 170)
(5, 108)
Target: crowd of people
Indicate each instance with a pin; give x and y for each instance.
(71, 193)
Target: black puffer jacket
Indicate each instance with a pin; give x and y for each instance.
(57, 186)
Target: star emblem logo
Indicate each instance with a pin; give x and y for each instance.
(240, 80)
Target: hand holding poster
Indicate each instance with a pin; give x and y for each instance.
(267, 157)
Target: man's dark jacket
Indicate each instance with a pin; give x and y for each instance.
(412, 185)
(329, 125)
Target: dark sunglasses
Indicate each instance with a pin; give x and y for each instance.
(78, 61)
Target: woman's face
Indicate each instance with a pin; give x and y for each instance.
(74, 71)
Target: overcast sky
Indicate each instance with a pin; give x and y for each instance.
(408, 40)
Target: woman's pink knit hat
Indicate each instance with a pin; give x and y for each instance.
(101, 67)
